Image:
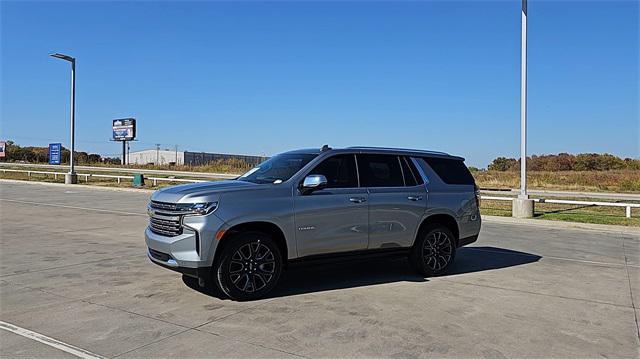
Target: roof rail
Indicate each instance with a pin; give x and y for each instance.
(398, 149)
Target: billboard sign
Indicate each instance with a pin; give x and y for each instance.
(55, 153)
(124, 129)
(3, 146)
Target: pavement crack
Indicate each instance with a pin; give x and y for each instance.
(633, 305)
(251, 343)
(536, 293)
(67, 266)
(151, 343)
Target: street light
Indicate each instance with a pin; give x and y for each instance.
(523, 206)
(71, 177)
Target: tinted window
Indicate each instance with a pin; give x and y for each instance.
(340, 171)
(450, 171)
(277, 168)
(380, 171)
(411, 175)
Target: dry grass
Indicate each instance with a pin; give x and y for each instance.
(234, 166)
(590, 181)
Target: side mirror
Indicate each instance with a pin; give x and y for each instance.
(312, 183)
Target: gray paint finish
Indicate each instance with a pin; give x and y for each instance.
(330, 220)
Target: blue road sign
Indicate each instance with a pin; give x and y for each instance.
(54, 153)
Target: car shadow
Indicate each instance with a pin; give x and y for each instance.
(316, 277)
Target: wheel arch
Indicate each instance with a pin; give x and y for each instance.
(444, 219)
(254, 226)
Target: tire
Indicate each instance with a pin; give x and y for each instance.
(249, 266)
(434, 250)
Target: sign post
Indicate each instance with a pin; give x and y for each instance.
(55, 150)
(124, 129)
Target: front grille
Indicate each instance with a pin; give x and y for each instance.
(159, 255)
(165, 219)
(164, 205)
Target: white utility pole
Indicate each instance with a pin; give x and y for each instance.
(523, 105)
(523, 207)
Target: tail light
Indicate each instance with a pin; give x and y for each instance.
(477, 195)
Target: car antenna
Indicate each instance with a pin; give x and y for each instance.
(325, 148)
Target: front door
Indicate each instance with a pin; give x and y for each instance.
(334, 219)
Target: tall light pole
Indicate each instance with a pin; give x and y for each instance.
(523, 104)
(523, 207)
(71, 177)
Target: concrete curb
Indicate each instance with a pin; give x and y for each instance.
(71, 186)
(633, 231)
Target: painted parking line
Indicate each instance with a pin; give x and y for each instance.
(79, 352)
(74, 207)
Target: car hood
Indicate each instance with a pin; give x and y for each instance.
(201, 191)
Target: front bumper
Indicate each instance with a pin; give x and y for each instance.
(189, 251)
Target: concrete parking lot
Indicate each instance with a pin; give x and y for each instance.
(73, 268)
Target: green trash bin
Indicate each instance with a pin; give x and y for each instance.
(138, 180)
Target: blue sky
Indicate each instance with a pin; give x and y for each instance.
(265, 77)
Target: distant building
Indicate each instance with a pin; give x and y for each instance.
(169, 157)
(152, 156)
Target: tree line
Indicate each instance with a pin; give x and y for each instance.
(567, 162)
(559, 162)
(32, 154)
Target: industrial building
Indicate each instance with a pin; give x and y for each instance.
(170, 157)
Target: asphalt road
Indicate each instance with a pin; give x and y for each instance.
(73, 268)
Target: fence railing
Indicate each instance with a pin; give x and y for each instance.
(627, 206)
(118, 178)
(155, 180)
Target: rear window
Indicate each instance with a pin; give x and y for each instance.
(450, 171)
(411, 175)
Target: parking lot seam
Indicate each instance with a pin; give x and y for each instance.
(250, 343)
(75, 207)
(185, 327)
(597, 263)
(67, 266)
(635, 310)
(231, 314)
(540, 294)
(151, 343)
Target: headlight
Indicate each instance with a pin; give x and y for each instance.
(199, 209)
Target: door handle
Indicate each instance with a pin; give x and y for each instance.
(357, 199)
(414, 198)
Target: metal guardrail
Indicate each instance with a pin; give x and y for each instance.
(124, 170)
(119, 178)
(627, 206)
(155, 180)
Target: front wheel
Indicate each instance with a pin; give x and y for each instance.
(434, 251)
(249, 267)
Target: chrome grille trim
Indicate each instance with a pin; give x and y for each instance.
(165, 219)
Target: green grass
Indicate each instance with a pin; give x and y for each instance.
(568, 213)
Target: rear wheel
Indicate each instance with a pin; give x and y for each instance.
(434, 250)
(249, 267)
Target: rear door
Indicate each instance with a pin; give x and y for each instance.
(333, 219)
(397, 201)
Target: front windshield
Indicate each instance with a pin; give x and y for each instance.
(278, 168)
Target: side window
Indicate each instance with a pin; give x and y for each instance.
(340, 171)
(380, 171)
(411, 174)
(450, 171)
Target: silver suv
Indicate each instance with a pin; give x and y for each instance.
(312, 204)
